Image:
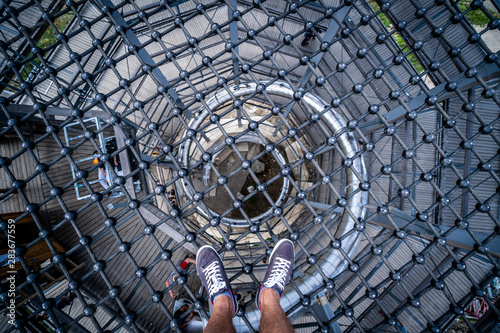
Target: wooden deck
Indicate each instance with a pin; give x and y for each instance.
(120, 269)
(22, 167)
(144, 252)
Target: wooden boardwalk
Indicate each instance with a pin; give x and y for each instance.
(22, 167)
(120, 267)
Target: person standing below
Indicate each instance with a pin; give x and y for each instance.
(279, 272)
(118, 165)
(101, 171)
(182, 268)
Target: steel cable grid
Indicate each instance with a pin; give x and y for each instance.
(180, 84)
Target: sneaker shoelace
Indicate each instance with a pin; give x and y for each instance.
(214, 278)
(278, 274)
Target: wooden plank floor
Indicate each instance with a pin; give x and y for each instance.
(90, 222)
(21, 167)
(121, 271)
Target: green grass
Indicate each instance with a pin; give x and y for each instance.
(414, 61)
(476, 17)
(47, 39)
(385, 20)
(397, 37)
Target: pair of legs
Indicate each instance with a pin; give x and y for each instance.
(103, 178)
(214, 278)
(273, 318)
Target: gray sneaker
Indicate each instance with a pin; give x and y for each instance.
(212, 274)
(280, 269)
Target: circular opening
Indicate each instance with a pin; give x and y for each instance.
(242, 184)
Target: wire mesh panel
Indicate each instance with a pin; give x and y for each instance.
(364, 131)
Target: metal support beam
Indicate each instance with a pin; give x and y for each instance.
(146, 58)
(154, 216)
(436, 271)
(310, 5)
(83, 94)
(155, 161)
(21, 110)
(325, 149)
(469, 133)
(55, 111)
(322, 307)
(233, 32)
(459, 238)
(62, 317)
(352, 25)
(328, 37)
(119, 317)
(125, 161)
(372, 272)
(486, 72)
(414, 166)
(126, 204)
(324, 206)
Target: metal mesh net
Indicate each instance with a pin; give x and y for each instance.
(134, 132)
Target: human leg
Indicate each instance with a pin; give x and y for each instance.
(279, 273)
(221, 319)
(273, 319)
(213, 276)
(102, 178)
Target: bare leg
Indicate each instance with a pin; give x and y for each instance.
(221, 320)
(274, 319)
(102, 178)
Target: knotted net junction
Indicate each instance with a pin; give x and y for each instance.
(364, 131)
